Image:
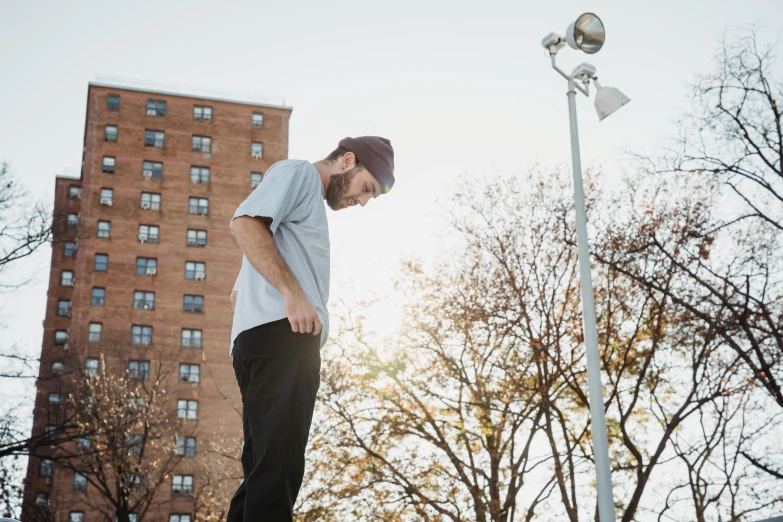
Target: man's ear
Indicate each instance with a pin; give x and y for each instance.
(349, 161)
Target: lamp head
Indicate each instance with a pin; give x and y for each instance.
(553, 42)
(586, 33)
(608, 100)
(584, 70)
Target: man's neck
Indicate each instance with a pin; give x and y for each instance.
(326, 170)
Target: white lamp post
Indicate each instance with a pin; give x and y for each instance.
(587, 34)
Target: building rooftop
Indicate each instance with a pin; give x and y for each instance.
(169, 89)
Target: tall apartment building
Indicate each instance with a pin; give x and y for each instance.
(144, 256)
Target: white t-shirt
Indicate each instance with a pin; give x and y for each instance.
(292, 194)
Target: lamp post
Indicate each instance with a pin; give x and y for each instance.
(587, 34)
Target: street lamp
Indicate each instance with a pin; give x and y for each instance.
(587, 34)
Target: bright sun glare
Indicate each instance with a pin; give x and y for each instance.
(384, 318)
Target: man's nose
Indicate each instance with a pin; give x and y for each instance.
(363, 200)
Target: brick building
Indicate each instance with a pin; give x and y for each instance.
(143, 255)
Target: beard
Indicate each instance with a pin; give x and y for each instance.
(338, 188)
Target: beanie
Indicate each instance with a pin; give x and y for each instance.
(377, 155)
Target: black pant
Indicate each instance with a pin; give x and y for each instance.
(278, 372)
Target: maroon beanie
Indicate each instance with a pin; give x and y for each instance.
(377, 155)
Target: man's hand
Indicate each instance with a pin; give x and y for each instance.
(233, 299)
(301, 313)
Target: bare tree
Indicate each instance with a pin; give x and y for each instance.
(734, 131)
(220, 473)
(24, 226)
(728, 249)
(10, 487)
(735, 134)
(480, 410)
(717, 484)
(121, 434)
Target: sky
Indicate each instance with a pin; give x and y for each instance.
(460, 88)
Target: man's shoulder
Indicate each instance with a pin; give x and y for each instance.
(293, 165)
(304, 172)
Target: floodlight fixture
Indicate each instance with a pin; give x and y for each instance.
(608, 100)
(586, 34)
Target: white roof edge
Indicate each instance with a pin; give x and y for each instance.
(191, 92)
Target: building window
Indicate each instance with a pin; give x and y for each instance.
(257, 150)
(156, 108)
(109, 163)
(110, 133)
(202, 113)
(199, 174)
(76, 516)
(181, 484)
(73, 221)
(152, 169)
(95, 330)
(191, 338)
(79, 482)
(54, 399)
(198, 206)
(150, 201)
(98, 296)
(91, 367)
(139, 403)
(66, 278)
(60, 337)
(258, 119)
(63, 308)
(153, 138)
(179, 518)
(195, 270)
(133, 445)
(49, 431)
(187, 409)
(141, 334)
(149, 233)
(146, 266)
(255, 179)
(143, 300)
(69, 249)
(201, 144)
(193, 304)
(139, 370)
(45, 470)
(101, 262)
(104, 229)
(83, 444)
(189, 372)
(186, 446)
(197, 238)
(107, 197)
(113, 103)
(58, 367)
(42, 498)
(74, 192)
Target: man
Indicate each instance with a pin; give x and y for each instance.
(280, 316)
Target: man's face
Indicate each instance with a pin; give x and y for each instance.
(355, 186)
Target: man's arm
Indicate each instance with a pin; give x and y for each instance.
(255, 240)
